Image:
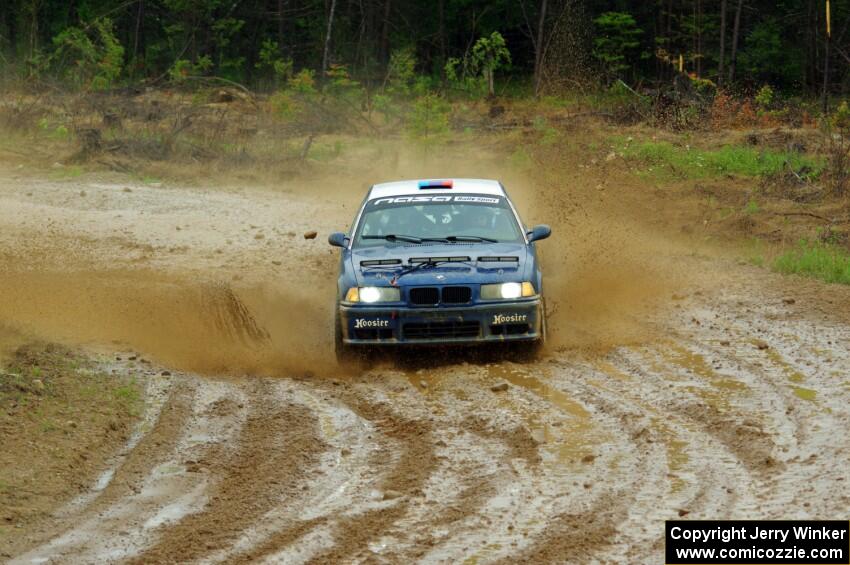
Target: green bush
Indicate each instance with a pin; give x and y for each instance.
(184, 68)
(428, 122)
(283, 106)
(401, 72)
(95, 54)
(304, 82)
(475, 72)
(271, 65)
(764, 97)
(488, 55)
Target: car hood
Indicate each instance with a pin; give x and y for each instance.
(476, 271)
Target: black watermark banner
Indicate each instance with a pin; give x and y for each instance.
(758, 542)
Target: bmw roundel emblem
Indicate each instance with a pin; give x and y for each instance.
(441, 277)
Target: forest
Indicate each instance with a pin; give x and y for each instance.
(496, 47)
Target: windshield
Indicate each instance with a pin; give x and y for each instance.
(415, 219)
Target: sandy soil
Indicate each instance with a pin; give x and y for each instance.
(679, 383)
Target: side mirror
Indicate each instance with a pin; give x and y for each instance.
(539, 232)
(337, 239)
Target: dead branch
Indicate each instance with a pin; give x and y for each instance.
(809, 214)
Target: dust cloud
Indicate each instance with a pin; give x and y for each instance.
(605, 278)
(602, 297)
(207, 327)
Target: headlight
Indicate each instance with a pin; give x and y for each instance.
(371, 294)
(506, 291)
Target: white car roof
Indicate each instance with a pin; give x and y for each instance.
(407, 187)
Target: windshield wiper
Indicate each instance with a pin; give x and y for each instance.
(471, 238)
(406, 238)
(418, 266)
(395, 237)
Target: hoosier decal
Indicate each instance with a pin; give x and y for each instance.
(364, 323)
(509, 319)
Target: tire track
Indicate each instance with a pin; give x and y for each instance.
(344, 482)
(276, 447)
(123, 525)
(379, 470)
(410, 448)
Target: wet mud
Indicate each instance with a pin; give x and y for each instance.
(665, 393)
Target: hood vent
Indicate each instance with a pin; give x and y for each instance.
(377, 262)
(498, 259)
(415, 260)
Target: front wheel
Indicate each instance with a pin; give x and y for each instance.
(344, 353)
(540, 344)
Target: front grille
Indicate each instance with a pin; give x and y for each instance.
(424, 296)
(441, 330)
(457, 294)
(373, 333)
(509, 329)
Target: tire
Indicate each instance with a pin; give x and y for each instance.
(344, 353)
(530, 351)
(539, 345)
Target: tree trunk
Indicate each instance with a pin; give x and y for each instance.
(34, 8)
(699, 38)
(328, 39)
(385, 34)
(657, 35)
(722, 42)
(281, 30)
(824, 99)
(136, 36)
(5, 35)
(735, 30)
(808, 70)
(442, 32)
(538, 49)
(670, 37)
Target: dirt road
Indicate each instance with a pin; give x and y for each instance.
(681, 384)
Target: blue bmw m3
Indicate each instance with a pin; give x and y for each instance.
(438, 262)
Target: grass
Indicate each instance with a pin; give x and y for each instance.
(520, 158)
(823, 261)
(689, 162)
(751, 208)
(805, 393)
(549, 135)
(66, 173)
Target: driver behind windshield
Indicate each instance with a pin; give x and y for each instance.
(406, 220)
(436, 221)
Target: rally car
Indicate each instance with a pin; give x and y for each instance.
(438, 262)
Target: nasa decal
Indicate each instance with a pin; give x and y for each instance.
(435, 198)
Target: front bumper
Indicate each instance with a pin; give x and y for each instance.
(476, 323)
